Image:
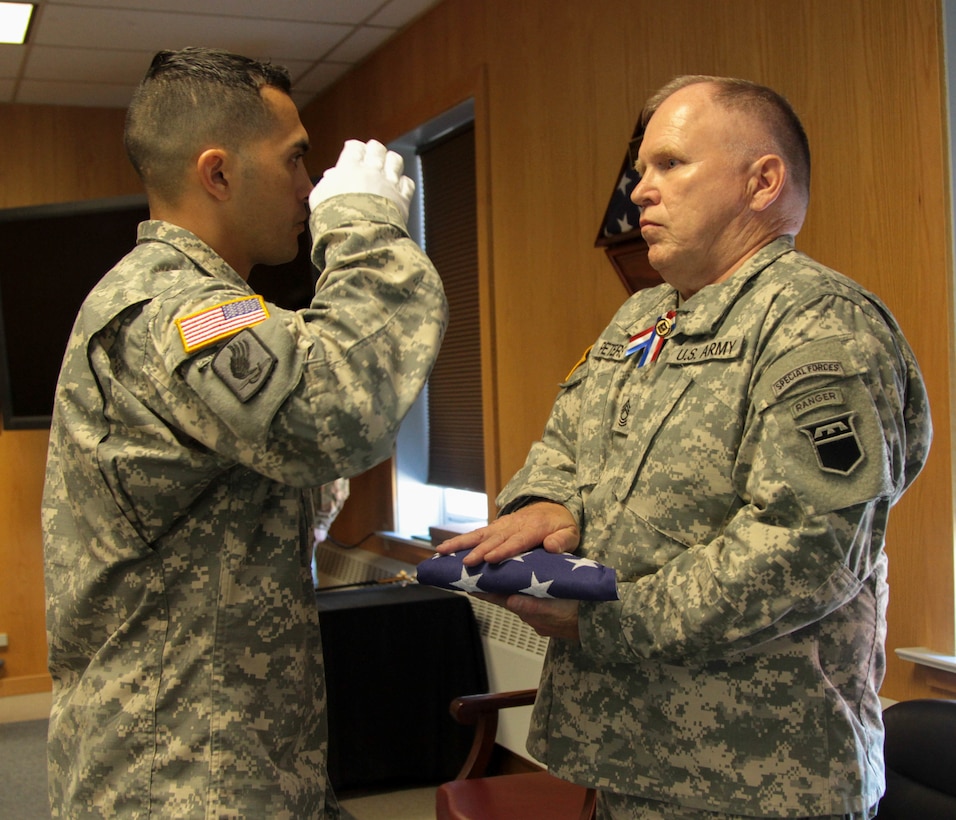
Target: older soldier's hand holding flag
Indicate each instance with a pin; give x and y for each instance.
(541, 524)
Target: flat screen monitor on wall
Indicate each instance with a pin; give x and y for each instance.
(50, 258)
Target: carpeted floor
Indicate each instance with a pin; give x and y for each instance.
(404, 804)
(23, 764)
(23, 778)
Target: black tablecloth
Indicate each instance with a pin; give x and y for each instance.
(395, 658)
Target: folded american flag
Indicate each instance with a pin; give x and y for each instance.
(538, 572)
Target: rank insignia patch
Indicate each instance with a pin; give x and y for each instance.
(220, 321)
(244, 365)
(836, 443)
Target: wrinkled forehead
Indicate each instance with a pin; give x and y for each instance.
(692, 115)
(673, 122)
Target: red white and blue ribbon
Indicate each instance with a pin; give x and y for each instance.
(648, 343)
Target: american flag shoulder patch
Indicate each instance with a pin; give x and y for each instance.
(220, 321)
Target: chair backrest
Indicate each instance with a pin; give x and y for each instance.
(536, 793)
(920, 750)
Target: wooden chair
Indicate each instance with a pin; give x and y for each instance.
(473, 796)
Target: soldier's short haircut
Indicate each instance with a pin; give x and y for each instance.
(190, 100)
(764, 104)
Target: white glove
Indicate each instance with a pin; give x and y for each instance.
(366, 168)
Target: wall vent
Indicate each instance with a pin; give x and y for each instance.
(337, 566)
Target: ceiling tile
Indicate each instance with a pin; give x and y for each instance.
(361, 42)
(307, 11)
(11, 58)
(149, 30)
(398, 13)
(93, 65)
(93, 52)
(39, 92)
(296, 68)
(322, 76)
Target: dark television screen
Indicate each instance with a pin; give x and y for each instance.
(50, 258)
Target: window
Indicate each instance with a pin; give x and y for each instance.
(455, 440)
(439, 459)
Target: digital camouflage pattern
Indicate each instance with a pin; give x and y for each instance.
(183, 632)
(740, 486)
(326, 503)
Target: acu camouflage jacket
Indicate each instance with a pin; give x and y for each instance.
(740, 485)
(190, 418)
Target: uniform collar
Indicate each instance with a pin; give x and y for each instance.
(704, 311)
(186, 242)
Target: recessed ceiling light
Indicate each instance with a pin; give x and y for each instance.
(15, 21)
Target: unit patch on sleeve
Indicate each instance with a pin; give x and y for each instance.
(828, 396)
(836, 443)
(807, 371)
(220, 321)
(244, 365)
(582, 360)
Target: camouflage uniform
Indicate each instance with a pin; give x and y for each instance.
(740, 485)
(183, 631)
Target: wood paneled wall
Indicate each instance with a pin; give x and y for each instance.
(50, 154)
(61, 154)
(558, 86)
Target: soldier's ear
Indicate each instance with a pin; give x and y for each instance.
(766, 181)
(213, 169)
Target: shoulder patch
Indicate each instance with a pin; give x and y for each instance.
(220, 321)
(824, 397)
(836, 443)
(244, 365)
(582, 360)
(807, 371)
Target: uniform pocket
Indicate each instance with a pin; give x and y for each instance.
(678, 462)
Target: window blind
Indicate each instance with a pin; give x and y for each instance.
(455, 434)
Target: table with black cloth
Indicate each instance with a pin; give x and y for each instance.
(395, 658)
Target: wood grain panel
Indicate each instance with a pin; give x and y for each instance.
(21, 587)
(60, 154)
(50, 154)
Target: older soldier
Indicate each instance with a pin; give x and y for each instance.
(740, 484)
(191, 421)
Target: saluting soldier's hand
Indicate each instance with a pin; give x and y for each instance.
(366, 168)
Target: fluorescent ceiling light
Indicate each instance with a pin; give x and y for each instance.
(14, 21)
